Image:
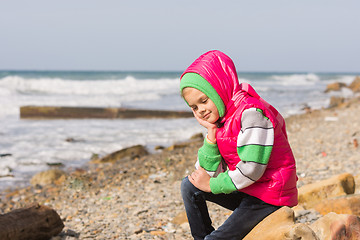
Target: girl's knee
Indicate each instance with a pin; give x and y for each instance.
(186, 186)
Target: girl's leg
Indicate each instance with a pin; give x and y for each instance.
(244, 218)
(196, 208)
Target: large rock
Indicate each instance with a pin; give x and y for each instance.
(335, 86)
(126, 153)
(355, 85)
(33, 222)
(47, 177)
(349, 204)
(280, 225)
(337, 227)
(339, 185)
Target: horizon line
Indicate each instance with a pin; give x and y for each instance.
(172, 71)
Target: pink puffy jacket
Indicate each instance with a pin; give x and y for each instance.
(277, 186)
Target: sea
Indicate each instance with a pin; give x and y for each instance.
(29, 146)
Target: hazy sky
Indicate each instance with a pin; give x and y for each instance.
(263, 35)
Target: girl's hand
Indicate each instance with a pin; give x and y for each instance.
(204, 123)
(200, 179)
(211, 127)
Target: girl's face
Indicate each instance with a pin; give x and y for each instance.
(201, 104)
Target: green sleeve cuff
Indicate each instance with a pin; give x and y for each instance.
(210, 148)
(222, 184)
(209, 156)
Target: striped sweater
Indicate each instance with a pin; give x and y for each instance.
(254, 145)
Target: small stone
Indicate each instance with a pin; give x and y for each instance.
(158, 233)
(180, 218)
(137, 231)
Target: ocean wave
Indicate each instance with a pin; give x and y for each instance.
(296, 79)
(59, 86)
(16, 91)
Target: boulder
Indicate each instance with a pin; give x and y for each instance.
(339, 185)
(355, 85)
(126, 153)
(335, 86)
(337, 227)
(336, 102)
(280, 225)
(47, 177)
(349, 204)
(32, 222)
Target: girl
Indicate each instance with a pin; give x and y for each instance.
(246, 163)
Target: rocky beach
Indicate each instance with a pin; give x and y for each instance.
(137, 195)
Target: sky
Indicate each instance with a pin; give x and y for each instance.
(168, 35)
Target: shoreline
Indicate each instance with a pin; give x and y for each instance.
(140, 198)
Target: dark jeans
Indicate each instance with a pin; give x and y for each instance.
(247, 212)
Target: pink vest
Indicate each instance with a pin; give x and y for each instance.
(278, 184)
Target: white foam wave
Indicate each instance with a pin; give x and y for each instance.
(85, 87)
(16, 91)
(296, 79)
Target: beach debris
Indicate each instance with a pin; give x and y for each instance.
(331, 119)
(33, 222)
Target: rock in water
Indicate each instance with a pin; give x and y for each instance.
(128, 153)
